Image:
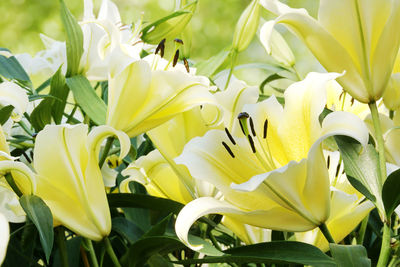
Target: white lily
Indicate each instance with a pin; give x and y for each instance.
(12, 94)
(275, 177)
(363, 42)
(4, 237)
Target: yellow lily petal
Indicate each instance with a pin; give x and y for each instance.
(141, 99)
(76, 198)
(23, 176)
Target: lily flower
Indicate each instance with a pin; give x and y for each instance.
(4, 237)
(12, 94)
(140, 98)
(363, 42)
(77, 198)
(348, 207)
(275, 175)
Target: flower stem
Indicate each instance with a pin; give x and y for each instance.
(233, 63)
(361, 232)
(111, 252)
(325, 231)
(379, 140)
(61, 246)
(91, 252)
(385, 248)
(107, 148)
(25, 128)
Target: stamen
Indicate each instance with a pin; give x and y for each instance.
(230, 136)
(186, 63)
(178, 41)
(253, 148)
(337, 170)
(176, 57)
(160, 48)
(341, 94)
(352, 102)
(252, 127)
(328, 162)
(228, 149)
(265, 128)
(243, 116)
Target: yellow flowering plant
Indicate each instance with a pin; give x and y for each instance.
(124, 146)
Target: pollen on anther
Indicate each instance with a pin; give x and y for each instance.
(253, 131)
(228, 149)
(186, 63)
(265, 129)
(176, 57)
(243, 115)
(253, 148)
(328, 162)
(230, 136)
(160, 48)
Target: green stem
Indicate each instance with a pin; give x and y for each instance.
(25, 128)
(92, 253)
(61, 246)
(233, 63)
(12, 184)
(385, 248)
(361, 232)
(380, 142)
(325, 231)
(111, 253)
(213, 239)
(107, 148)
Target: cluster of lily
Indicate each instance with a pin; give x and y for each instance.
(266, 162)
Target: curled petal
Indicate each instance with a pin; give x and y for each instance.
(23, 176)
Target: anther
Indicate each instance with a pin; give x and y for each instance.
(253, 148)
(186, 63)
(228, 149)
(328, 161)
(161, 47)
(179, 41)
(340, 96)
(265, 128)
(230, 136)
(176, 57)
(243, 116)
(337, 170)
(352, 101)
(252, 127)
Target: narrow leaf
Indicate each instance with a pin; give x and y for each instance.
(5, 113)
(211, 65)
(11, 69)
(390, 192)
(350, 255)
(87, 99)
(74, 40)
(40, 214)
(59, 90)
(277, 252)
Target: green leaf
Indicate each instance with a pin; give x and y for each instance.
(277, 252)
(142, 250)
(5, 113)
(11, 69)
(362, 164)
(59, 90)
(41, 115)
(390, 192)
(74, 40)
(350, 255)
(127, 229)
(158, 229)
(158, 261)
(87, 99)
(271, 78)
(39, 213)
(126, 200)
(210, 66)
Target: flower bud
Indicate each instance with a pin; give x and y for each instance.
(247, 26)
(391, 97)
(275, 45)
(169, 28)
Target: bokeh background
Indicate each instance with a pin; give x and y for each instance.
(213, 25)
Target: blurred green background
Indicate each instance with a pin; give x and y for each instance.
(213, 25)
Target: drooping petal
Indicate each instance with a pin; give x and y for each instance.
(23, 176)
(4, 237)
(9, 204)
(278, 218)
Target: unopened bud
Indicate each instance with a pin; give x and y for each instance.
(391, 97)
(169, 27)
(247, 26)
(275, 45)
